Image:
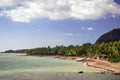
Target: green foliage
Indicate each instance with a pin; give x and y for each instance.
(110, 50)
(15, 51)
(114, 58)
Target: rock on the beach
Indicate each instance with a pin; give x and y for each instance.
(80, 72)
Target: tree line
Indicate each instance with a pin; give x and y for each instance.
(110, 51)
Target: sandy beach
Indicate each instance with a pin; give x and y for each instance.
(102, 64)
(22, 67)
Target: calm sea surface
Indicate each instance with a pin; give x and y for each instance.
(12, 65)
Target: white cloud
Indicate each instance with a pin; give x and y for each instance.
(27, 10)
(68, 34)
(82, 28)
(88, 29)
(7, 2)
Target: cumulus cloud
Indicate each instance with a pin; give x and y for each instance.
(7, 2)
(27, 10)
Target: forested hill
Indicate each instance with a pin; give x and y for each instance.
(109, 50)
(111, 36)
(109, 46)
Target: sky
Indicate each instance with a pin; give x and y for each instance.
(40, 23)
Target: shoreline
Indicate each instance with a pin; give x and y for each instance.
(104, 64)
(101, 64)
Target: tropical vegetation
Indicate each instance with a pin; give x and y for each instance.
(110, 51)
(107, 46)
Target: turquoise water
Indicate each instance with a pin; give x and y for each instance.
(13, 63)
(14, 67)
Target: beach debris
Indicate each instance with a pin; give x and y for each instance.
(85, 64)
(80, 72)
(102, 72)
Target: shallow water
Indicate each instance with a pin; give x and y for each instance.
(14, 67)
(58, 76)
(14, 63)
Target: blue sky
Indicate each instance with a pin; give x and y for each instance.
(22, 27)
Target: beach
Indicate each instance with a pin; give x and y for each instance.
(102, 64)
(22, 67)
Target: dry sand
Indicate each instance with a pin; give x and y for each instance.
(102, 64)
